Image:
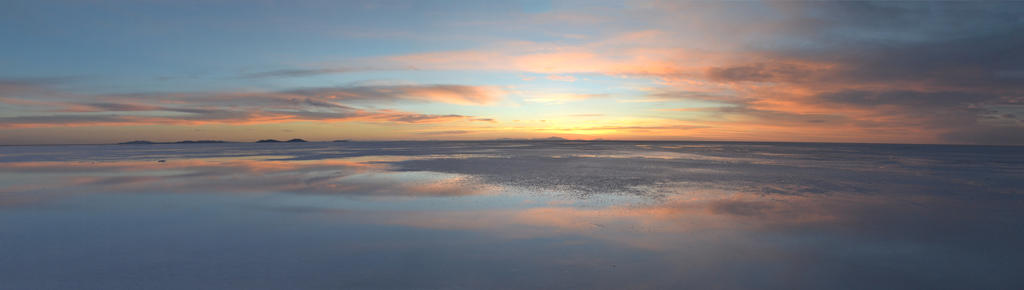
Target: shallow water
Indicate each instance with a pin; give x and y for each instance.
(486, 215)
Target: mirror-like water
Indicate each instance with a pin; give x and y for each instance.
(486, 215)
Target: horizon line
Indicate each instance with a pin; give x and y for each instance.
(549, 139)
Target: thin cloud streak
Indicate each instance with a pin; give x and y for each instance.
(316, 104)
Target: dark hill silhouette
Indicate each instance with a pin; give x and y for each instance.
(144, 142)
(296, 140)
(200, 141)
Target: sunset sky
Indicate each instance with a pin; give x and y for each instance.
(883, 72)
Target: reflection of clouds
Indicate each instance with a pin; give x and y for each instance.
(837, 211)
(627, 223)
(403, 184)
(667, 155)
(228, 164)
(234, 176)
(677, 219)
(695, 186)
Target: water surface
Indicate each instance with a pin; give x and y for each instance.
(493, 215)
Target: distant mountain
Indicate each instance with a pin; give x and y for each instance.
(552, 138)
(296, 140)
(336, 141)
(200, 141)
(140, 142)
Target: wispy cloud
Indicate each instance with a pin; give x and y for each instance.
(234, 117)
(451, 94)
(445, 132)
(561, 78)
(331, 104)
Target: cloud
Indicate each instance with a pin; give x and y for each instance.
(111, 107)
(236, 117)
(28, 89)
(445, 132)
(630, 128)
(880, 68)
(452, 94)
(561, 78)
(327, 104)
(404, 117)
(761, 72)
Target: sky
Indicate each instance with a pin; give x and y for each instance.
(74, 72)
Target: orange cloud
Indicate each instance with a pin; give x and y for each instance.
(561, 78)
(451, 94)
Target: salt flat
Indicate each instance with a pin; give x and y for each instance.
(511, 214)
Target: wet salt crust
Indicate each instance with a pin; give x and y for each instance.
(516, 214)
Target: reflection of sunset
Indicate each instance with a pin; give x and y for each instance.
(648, 226)
(243, 175)
(573, 211)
